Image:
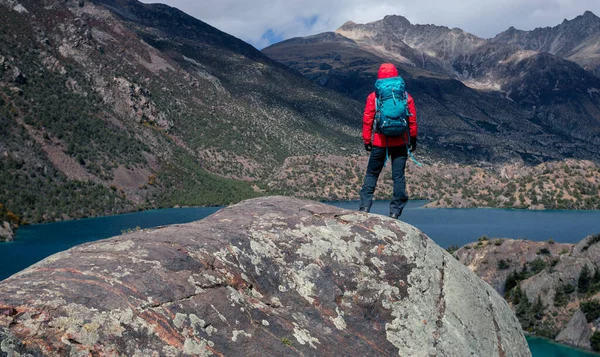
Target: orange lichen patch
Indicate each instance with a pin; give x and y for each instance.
(380, 249)
(168, 312)
(162, 327)
(40, 344)
(101, 352)
(231, 251)
(369, 342)
(317, 304)
(237, 282)
(7, 310)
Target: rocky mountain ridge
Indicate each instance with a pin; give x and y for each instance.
(577, 40)
(510, 86)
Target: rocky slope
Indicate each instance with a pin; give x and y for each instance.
(486, 95)
(109, 106)
(9, 222)
(569, 184)
(553, 288)
(576, 40)
(7, 231)
(267, 277)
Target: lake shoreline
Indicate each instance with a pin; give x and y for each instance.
(426, 205)
(581, 352)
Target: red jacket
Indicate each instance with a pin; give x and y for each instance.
(386, 70)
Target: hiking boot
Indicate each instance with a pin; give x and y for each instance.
(395, 215)
(363, 209)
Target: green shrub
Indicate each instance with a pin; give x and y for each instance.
(591, 309)
(585, 280)
(452, 248)
(537, 265)
(593, 240)
(544, 251)
(561, 296)
(595, 341)
(503, 264)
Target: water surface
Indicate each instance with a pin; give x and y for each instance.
(35, 242)
(447, 226)
(542, 347)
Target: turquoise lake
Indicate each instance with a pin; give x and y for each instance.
(445, 226)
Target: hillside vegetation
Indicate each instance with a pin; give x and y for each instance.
(569, 184)
(110, 106)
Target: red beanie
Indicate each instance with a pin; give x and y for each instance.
(387, 70)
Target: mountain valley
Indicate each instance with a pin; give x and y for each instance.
(110, 106)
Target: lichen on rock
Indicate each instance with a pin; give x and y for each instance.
(271, 276)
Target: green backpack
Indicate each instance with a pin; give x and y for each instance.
(391, 107)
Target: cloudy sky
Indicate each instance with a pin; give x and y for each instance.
(262, 22)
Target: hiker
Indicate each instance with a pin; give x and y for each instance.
(393, 112)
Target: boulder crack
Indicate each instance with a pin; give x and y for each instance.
(501, 352)
(441, 303)
(182, 299)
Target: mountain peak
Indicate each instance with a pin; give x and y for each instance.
(348, 25)
(586, 18)
(396, 19)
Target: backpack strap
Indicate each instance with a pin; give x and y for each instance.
(386, 151)
(410, 154)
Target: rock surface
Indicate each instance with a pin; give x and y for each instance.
(577, 332)
(7, 233)
(493, 260)
(267, 277)
(547, 272)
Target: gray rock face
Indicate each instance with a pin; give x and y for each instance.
(6, 232)
(576, 40)
(554, 282)
(577, 333)
(267, 277)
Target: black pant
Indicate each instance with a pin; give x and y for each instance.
(398, 155)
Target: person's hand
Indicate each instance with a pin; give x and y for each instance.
(413, 144)
(369, 147)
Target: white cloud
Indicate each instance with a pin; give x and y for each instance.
(282, 19)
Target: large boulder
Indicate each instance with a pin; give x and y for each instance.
(577, 332)
(271, 276)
